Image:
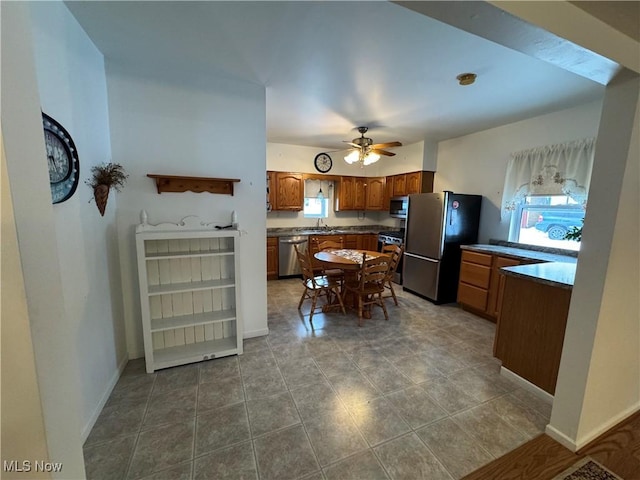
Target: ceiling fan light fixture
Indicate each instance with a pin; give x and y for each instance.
(353, 157)
(365, 152)
(370, 158)
(466, 78)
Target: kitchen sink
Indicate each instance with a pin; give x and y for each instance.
(318, 231)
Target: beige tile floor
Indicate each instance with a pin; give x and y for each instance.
(417, 397)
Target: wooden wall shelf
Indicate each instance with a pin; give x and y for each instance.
(178, 183)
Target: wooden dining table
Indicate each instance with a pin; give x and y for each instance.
(348, 260)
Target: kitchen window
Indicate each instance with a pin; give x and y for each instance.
(544, 220)
(316, 198)
(545, 193)
(316, 207)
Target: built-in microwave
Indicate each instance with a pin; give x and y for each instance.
(398, 207)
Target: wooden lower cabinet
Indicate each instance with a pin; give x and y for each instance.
(351, 241)
(474, 283)
(472, 297)
(362, 241)
(482, 282)
(368, 241)
(531, 328)
(315, 240)
(272, 258)
(497, 283)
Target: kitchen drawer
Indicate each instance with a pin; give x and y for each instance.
(472, 296)
(474, 274)
(475, 257)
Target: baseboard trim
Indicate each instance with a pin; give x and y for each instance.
(584, 440)
(256, 333)
(561, 438)
(527, 385)
(103, 401)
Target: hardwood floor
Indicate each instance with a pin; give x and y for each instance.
(542, 458)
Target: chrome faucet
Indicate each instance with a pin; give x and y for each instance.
(321, 225)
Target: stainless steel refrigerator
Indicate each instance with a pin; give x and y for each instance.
(437, 224)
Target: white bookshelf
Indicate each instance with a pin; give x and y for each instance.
(189, 290)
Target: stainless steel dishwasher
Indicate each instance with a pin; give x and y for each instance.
(287, 260)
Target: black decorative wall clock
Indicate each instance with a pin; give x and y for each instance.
(62, 159)
(323, 162)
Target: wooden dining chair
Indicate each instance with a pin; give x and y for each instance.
(336, 244)
(316, 285)
(395, 253)
(370, 284)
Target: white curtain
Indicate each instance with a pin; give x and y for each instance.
(312, 188)
(563, 169)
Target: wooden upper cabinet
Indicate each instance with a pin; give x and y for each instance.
(375, 193)
(399, 185)
(388, 191)
(408, 183)
(413, 182)
(359, 193)
(351, 194)
(286, 190)
(419, 182)
(271, 182)
(345, 194)
(289, 191)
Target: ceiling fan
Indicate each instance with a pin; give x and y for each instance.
(365, 151)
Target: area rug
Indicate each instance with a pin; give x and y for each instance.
(587, 469)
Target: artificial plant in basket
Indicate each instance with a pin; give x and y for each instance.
(103, 177)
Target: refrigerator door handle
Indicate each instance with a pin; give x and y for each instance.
(413, 255)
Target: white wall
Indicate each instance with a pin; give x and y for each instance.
(21, 419)
(73, 90)
(613, 388)
(54, 334)
(476, 163)
(599, 376)
(208, 127)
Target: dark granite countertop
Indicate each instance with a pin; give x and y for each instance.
(554, 269)
(521, 253)
(555, 274)
(288, 232)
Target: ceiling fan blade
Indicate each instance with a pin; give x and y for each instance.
(383, 152)
(386, 145)
(355, 145)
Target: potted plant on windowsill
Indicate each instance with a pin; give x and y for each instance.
(103, 178)
(574, 233)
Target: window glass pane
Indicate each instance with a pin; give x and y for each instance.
(545, 220)
(316, 208)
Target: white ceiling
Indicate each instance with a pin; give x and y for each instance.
(329, 67)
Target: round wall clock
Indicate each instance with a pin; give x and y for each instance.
(323, 162)
(62, 159)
